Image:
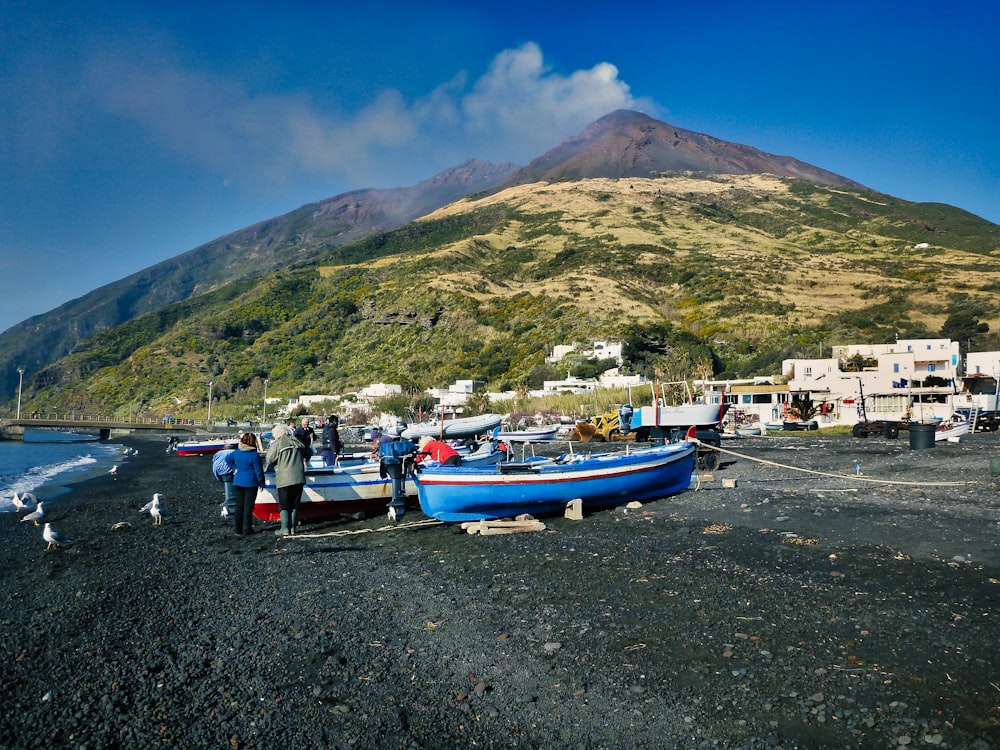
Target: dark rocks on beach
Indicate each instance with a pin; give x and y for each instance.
(792, 610)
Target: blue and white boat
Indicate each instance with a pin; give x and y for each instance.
(546, 486)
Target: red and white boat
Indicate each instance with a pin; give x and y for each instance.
(205, 447)
(952, 429)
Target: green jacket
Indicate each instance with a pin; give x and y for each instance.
(287, 456)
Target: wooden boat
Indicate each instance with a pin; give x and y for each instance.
(460, 427)
(205, 447)
(529, 435)
(357, 487)
(541, 486)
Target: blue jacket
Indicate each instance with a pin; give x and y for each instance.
(249, 469)
(221, 466)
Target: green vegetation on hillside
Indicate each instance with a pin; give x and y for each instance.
(724, 276)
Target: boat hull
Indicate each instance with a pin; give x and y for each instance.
(450, 429)
(952, 431)
(661, 421)
(334, 491)
(531, 435)
(545, 487)
(203, 447)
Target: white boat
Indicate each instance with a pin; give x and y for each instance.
(663, 419)
(460, 427)
(952, 429)
(529, 435)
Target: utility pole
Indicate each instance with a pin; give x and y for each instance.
(263, 418)
(208, 422)
(20, 381)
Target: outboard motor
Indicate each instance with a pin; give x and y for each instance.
(625, 412)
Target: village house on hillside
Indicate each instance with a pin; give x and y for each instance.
(922, 379)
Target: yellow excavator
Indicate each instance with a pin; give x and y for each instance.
(602, 428)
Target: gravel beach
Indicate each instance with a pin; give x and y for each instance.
(792, 610)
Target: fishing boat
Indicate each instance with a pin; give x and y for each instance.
(665, 419)
(205, 447)
(459, 427)
(332, 491)
(544, 486)
(354, 487)
(540, 434)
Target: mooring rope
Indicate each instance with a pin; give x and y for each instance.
(854, 477)
(391, 527)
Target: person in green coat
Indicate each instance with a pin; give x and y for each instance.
(287, 455)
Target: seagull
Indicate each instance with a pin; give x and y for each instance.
(225, 512)
(17, 502)
(54, 538)
(34, 516)
(113, 471)
(153, 507)
(392, 513)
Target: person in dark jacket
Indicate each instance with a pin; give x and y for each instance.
(287, 456)
(305, 435)
(247, 480)
(334, 447)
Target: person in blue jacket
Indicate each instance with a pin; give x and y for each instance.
(247, 480)
(224, 472)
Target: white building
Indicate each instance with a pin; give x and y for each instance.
(379, 390)
(597, 350)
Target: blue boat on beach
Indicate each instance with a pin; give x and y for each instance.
(545, 486)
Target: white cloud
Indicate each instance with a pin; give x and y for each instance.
(517, 110)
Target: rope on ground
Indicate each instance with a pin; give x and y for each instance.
(854, 477)
(391, 527)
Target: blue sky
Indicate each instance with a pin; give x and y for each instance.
(131, 132)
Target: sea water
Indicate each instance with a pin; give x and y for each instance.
(48, 462)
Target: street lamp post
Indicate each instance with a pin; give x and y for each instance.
(20, 381)
(209, 420)
(263, 418)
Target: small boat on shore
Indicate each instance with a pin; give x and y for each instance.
(205, 447)
(541, 434)
(952, 429)
(449, 429)
(545, 486)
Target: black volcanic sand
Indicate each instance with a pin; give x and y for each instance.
(790, 611)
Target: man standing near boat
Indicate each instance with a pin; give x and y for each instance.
(333, 446)
(305, 435)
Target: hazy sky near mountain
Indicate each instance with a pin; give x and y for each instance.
(131, 132)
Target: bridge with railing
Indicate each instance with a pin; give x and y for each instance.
(13, 429)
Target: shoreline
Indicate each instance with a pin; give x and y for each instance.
(788, 611)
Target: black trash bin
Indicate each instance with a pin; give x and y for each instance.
(922, 436)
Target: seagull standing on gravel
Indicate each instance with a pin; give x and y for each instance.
(35, 515)
(24, 501)
(54, 538)
(153, 508)
(113, 471)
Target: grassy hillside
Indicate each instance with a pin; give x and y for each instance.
(699, 274)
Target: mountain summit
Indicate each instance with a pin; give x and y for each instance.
(630, 144)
